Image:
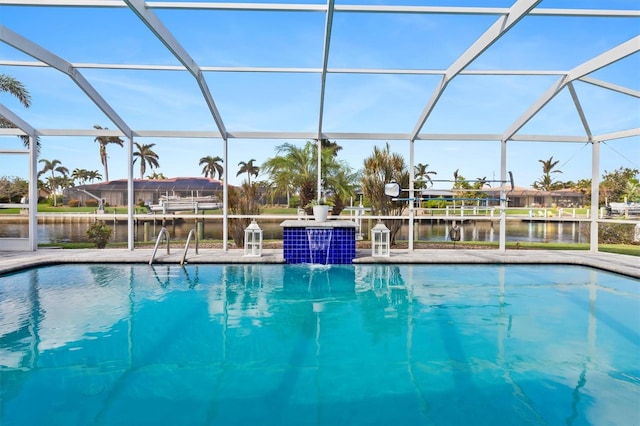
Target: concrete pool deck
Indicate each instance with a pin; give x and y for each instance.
(618, 263)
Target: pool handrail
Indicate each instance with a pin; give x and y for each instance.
(162, 232)
(186, 246)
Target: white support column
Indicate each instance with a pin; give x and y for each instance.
(503, 196)
(130, 195)
(411, 192)
(225, 194)
(33, 194)
(319, 185)
(32, 241)
(595, 194)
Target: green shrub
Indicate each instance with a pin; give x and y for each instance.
(58, 201)
(99, 234)
(616, 233)
(434, 204)
(294, 201)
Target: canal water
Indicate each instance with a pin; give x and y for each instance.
(425, 230)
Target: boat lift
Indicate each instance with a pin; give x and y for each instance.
(393, 190)
(98, 199)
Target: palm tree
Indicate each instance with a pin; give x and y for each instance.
(326, 143)
(583, 186)
(342, 185)
(156, 176)
(380, 168)
(294, 169)
(546, 182)
(422, 175)
(104, 141)
(93, 175)
(53, 166)
(459, 181)
(212, 166)
(80, 175)
(249, 168)
(478, 185)
(632, 191)
(147, 156)
(15, 88)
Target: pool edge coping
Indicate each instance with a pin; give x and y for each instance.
(611, 262)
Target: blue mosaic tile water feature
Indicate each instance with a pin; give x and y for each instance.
(307, 242)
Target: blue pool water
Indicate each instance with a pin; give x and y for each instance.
(319, 345)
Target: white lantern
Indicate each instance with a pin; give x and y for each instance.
(380, 244)
(253, 240)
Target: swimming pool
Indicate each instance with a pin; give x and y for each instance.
(319, 345)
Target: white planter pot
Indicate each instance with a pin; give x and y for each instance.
(320, 213)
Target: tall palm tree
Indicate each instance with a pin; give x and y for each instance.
(15, 88)
(546, 182)
(53, 166)
(422, 174)
(147, 156)
(104, 141)
(249, 168)
(212, 166)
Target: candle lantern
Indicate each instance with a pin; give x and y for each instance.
(253, 240)
(380, 241)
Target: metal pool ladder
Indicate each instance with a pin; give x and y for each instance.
(165, 233)
(186, 247)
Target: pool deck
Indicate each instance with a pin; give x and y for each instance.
(622, 264)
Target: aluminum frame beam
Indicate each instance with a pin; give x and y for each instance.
(166, 37)
(290, 70)
(343, 136)
(611, 86)
(576, 102)
(301, 7)
(622, 134)
(325, 61)
(612, 55)
(36, 51)
(518, 11)
(17, 121)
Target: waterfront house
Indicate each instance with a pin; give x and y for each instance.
(146, 191)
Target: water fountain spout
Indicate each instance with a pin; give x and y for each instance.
(319, 244)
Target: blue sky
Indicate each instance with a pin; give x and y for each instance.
(249, 101)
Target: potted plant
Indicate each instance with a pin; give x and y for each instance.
(320, 209)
